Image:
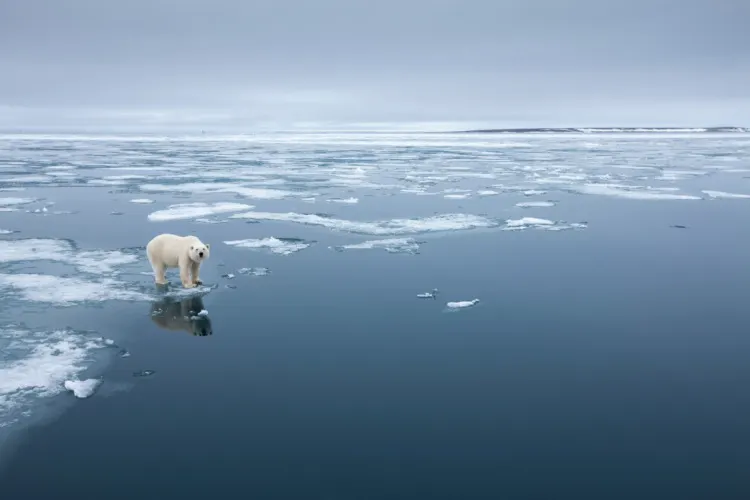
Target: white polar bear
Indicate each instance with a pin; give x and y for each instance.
(185, 252)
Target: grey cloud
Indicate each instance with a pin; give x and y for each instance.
(242, 62)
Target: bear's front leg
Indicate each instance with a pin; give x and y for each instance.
(194, 270)
(185, 274)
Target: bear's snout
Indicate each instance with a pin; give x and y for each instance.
(200, 254)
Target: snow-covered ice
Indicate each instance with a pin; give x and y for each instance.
(281, 246)
(181, 211)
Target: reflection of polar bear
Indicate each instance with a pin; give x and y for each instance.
(185, 252)
(182, 316)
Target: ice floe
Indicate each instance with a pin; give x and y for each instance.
(88, 261)
(630, 192)
(281, 246)
(528, 222)
(445, 222)
(725, 195)
(82, 388)
(193, 210)
(65, 292)
(10, 201)
(219, 187)
(254, 271)
(142, 201)
(347, 201)
(391, 245)
(462, 304)
(535, 204)
(37, 364)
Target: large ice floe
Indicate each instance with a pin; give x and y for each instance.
(182, 211)
(445, 222)
(219, 187)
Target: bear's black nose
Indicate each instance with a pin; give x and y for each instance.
(200, 254)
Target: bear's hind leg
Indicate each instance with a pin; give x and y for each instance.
(159, 273)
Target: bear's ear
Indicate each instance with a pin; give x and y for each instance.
(208, 246)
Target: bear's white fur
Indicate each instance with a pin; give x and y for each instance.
(184, 252)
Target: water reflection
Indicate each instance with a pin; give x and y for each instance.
(186, 315)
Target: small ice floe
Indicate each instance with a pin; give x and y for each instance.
(7, 231)
(206, 220)
(487, 192)
(535, 204)
(533, 192)
(182, 211)
(124, 353)
(142, 201)
(457, 196)
(82, 388)
(280, 246)
(347, 201)
(117, 213)
(462, 304)
(228, 276)
(428, 295)
(390, 245)
(309, 200)
(254, 271)
(202, 312)
(725, 195)
(527, 222)
(5, 202)
(144, 373)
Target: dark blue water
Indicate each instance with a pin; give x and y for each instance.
(608, 362)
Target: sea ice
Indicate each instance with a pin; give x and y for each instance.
(391, 245)
(142, 201)
(722, 194)
(462, 304)
(192, 210)
(535, 204)
(281, 246)
(444, 222)
(82, 388)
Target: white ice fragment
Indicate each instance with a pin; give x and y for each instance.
(280, 246)
(82, 388)
(462, 304)
(725, 195)
(194, 210)
(141, 201)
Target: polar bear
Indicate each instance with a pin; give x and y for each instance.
(185, 252)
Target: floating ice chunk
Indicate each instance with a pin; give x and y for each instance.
(204, 220)
(462, 304)
(487, 192)
(533, 192)
(142, 201)
(527, 222)
(348, 201)
(281, 246)
(228, 276)
(34, 249)
(82, 388)
(107, 182)
(193, 210)
(202, 313)
(309, 200)
(445, 222)
(100, 261)
(535, 204)
(391, 245)
(67, 291)
(124, 353)
(219, 187)
(144, 373)
(31, 179)
(428, 295)
(7, 231)
(38, 364)
(255, 271)
(16, 201)
(722, 194)
(456, 196)
(630, 192)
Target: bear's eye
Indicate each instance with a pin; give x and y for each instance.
(192, 247)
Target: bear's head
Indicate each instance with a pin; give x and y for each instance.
(199, 252)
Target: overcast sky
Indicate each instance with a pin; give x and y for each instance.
(242, 63)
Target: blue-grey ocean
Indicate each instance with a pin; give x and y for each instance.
(383, 316)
